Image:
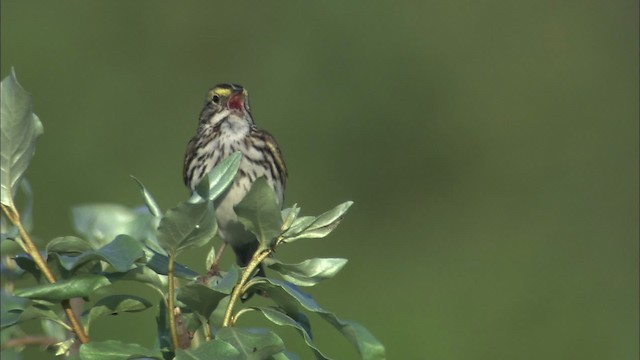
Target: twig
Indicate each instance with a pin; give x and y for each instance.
(172, 319)
(213, 269)
(29, 340)
(257, 258)
(29, 247)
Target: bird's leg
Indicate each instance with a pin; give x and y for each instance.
(213, 270)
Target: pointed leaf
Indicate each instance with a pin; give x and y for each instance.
(200, 298)
(227, 282)
(211, 257)
(214, 349)
(101, 223)
(282, 319)
(144, 275)
(116, 304)
(63, 347)
(321, 226)
(38, 311)
(144, 228)
(217, 317)
(26, 263)
(159, 263)
(26, 213)
(331, 216)
(68, 245)
(120, 253)
(19, 129)
(55, 330)
(313, 233)
(252, 343)
(259, 212)
(151, 203)
(366, 344)
(79, 286)
(308, 272)
(187, 225)
(115, 350)
(289, 215)
(9, 302)
(299, 225)
(220, 177)
(285, 355)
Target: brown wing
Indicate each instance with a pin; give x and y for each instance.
(276, 154)
(188, 158)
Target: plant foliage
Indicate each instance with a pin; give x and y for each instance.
(196, 317)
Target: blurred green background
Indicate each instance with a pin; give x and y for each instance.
(491, 149)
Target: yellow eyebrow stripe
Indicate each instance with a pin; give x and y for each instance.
(222, 92)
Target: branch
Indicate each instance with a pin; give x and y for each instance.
(29, 247)
(172, 316)
(257, 258)
(29, 340)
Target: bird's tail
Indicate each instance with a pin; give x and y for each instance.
(244, 254)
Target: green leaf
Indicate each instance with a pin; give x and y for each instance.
(37, 311)
(299, 225)
(144, 228)
(289, 215)
(163, 339)
(63, 347)
(367, 345)
(187, 225)
(9, 302)
(322, 225)
(26, 213)
(282, 319)
(68, 245)
(151, 203)
(19, 129)
(100, 223)
(26, 263)
(79, 286)
(211, 257)
(259, 212)
(115, 350)
(308, 272)
(286, 355)
(214, 349)
(253, 344)
(200, 298)
(10, 354)
(159, 263)
(331, 216)
(220, 177)
(116, 304)
(54, 329)
(120, 253)
(227, 282)
(217, 317)
(144, 275)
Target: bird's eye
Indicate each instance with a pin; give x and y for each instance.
(215, 99)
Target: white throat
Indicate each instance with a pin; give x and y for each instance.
(234, 128)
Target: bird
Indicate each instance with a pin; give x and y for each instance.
(226, 126)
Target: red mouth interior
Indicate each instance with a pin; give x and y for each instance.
(236, 102)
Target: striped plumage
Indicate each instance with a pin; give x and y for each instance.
(226, 126)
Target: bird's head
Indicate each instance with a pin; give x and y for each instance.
(225, 100)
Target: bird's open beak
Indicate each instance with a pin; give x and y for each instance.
(236, 100)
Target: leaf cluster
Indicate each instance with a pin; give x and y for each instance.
(196, 316)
